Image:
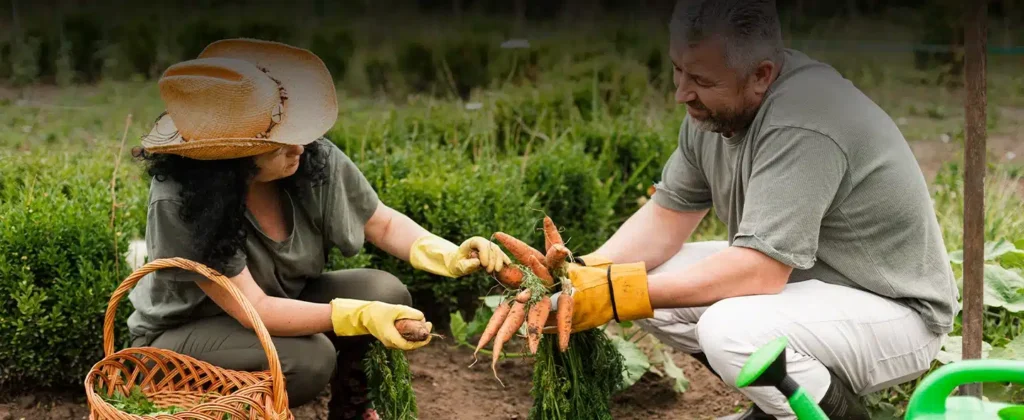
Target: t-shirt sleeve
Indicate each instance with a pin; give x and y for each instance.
(349, 201)
(683, 186)
(794, 178)
(168, 236)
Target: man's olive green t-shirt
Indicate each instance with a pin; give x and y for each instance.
(822, 180)
(334, 214)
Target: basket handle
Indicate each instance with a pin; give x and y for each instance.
(280, 399)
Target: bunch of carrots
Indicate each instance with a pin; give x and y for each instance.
(532, 279)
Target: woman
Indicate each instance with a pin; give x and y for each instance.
(244, 182)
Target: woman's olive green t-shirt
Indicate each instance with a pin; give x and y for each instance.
(334, 214)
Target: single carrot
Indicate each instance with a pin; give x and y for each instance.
(520, 250)
(492, 326)
(564, 318)
(523, 296)
(535, 322)
(515, 319)
(510, 276)
(556, 256)
(551, 235)
(412, 329)
(538, 268)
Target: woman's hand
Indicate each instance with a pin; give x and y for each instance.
(359, 317)
(437, 255)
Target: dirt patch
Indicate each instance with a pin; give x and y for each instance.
(446, 388)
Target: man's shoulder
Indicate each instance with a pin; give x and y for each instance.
(812, 95)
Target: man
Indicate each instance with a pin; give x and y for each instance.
(833, 241)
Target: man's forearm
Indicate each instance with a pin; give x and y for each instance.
(653, 235)
(732, 272)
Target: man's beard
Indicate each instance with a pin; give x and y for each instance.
(728, 121)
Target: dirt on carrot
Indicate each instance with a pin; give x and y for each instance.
(556, 257)
(551, 235)
(563, 316)
(513, 321)
(510, 276)
(492, 326)
(538, 316)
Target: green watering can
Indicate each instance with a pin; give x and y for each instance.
(930, 401)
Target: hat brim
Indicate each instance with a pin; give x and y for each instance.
(310, 110)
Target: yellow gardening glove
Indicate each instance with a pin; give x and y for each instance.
(593, 302)
(436, 255)
(593, 260)
(360, 317)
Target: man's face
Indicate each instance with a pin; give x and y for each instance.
(717, 97)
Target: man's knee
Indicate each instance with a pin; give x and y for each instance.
(388, 288)
(725, 331)
(307, 363)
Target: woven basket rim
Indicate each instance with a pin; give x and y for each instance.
(276, 405)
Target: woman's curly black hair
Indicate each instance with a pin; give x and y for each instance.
(213, 194)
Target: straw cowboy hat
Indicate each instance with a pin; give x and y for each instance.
(243, 97)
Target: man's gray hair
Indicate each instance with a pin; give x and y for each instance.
(750, 29)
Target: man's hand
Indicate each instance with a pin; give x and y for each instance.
(610, 291)
(436, 255)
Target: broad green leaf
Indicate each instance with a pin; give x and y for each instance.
(1012, 259)
(957, 257)
(492, 301)
(1002, 288)
(1019, 243)
(953, 348)
(1014, 350)
(626, 325)
(458, 327)
(993, 250)
(681, 383)
(479, 322)
(635, 362)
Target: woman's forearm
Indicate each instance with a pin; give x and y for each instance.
(293, 317)
(393, 232)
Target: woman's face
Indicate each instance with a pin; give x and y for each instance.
(278, 164)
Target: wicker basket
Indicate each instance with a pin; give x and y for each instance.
(202, 390)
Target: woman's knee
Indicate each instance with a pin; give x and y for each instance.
(307, 363)
(360, 283)
(386, 287)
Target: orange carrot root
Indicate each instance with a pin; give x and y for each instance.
(556, 256)
(564, 318)
(524, 296)
(500, 313)
(538, 268)
(519, 249)
(515, 319)
(412, 329)
(551, 235)
(535, 322)
(510, 276)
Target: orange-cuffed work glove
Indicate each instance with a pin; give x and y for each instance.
(610, 291)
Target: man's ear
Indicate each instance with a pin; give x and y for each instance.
(761, 77)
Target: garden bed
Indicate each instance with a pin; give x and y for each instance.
(446, 388)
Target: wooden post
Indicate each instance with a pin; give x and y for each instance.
(974, 184)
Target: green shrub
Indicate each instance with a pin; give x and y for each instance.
(57, 263)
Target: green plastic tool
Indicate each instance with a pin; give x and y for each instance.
(767, 367)
(931, 399)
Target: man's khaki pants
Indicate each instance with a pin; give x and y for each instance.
(868, 341)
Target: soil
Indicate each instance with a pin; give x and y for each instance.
(447, 388)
